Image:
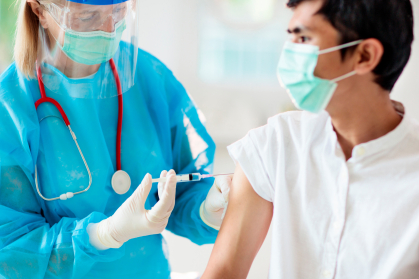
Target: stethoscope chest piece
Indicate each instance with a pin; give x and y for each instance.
(121, 182)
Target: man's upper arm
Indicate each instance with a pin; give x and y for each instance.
(242, 233)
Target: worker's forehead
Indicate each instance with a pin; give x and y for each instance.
(77, 7)
(97, 2)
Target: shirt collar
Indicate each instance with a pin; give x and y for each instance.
(383, 143)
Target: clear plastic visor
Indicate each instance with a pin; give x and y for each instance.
(76, 43)
(87, 18)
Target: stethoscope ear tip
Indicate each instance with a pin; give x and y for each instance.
(66, 196)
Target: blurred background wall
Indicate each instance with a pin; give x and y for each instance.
(224, 52)
(8, 17)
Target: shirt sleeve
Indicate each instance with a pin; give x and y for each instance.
(254, 153)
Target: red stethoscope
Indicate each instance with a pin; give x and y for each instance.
(121, 181)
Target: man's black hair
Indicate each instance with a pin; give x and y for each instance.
(389, 21)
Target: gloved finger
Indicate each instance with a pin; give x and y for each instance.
(141, 193)
(215, 203)
(169, 193)
(223, 184)
(215, 200)
(167, 202)
(160, 186)
(171, 172)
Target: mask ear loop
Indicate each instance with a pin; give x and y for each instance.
(54, 18)
(332, 49)
(344, 76)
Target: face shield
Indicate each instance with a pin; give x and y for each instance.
(77, 40)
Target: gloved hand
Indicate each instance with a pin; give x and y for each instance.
(132, 220)
(214, 207)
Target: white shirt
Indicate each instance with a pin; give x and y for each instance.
(334, 218)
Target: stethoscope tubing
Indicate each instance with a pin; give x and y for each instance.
(120, 114)
(45, 99)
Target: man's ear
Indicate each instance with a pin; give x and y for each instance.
(39, 11)
(368, 56)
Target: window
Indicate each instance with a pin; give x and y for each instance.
(240, 40)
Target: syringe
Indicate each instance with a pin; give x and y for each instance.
(188, 177)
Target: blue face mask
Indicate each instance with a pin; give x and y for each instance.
(296, 75)
(92, 48)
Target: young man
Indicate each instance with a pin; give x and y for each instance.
(339, 180)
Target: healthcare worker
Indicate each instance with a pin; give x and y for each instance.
(85, 115)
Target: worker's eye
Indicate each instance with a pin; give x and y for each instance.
(87, 17)
(119, 10)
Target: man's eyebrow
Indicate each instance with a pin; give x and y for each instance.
(298, 29)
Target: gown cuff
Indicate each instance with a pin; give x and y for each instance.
(94, 239)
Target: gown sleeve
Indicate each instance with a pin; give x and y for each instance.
(193, 152)
(30, 247)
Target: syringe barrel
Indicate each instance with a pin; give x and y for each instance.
(188, 177)
(181, 178)
(195, 176)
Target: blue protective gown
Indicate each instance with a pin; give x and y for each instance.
(162, 130)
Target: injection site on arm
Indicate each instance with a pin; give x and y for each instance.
(242, 232)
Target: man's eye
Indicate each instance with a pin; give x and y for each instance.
(303, 39)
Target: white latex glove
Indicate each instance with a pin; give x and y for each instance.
(132, 220)
(214, 207)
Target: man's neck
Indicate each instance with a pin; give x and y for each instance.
(361, 116)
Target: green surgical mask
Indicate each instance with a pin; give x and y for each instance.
(296, 75)
(92, 48)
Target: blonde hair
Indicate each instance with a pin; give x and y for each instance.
(26, 40)
(27, 35)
